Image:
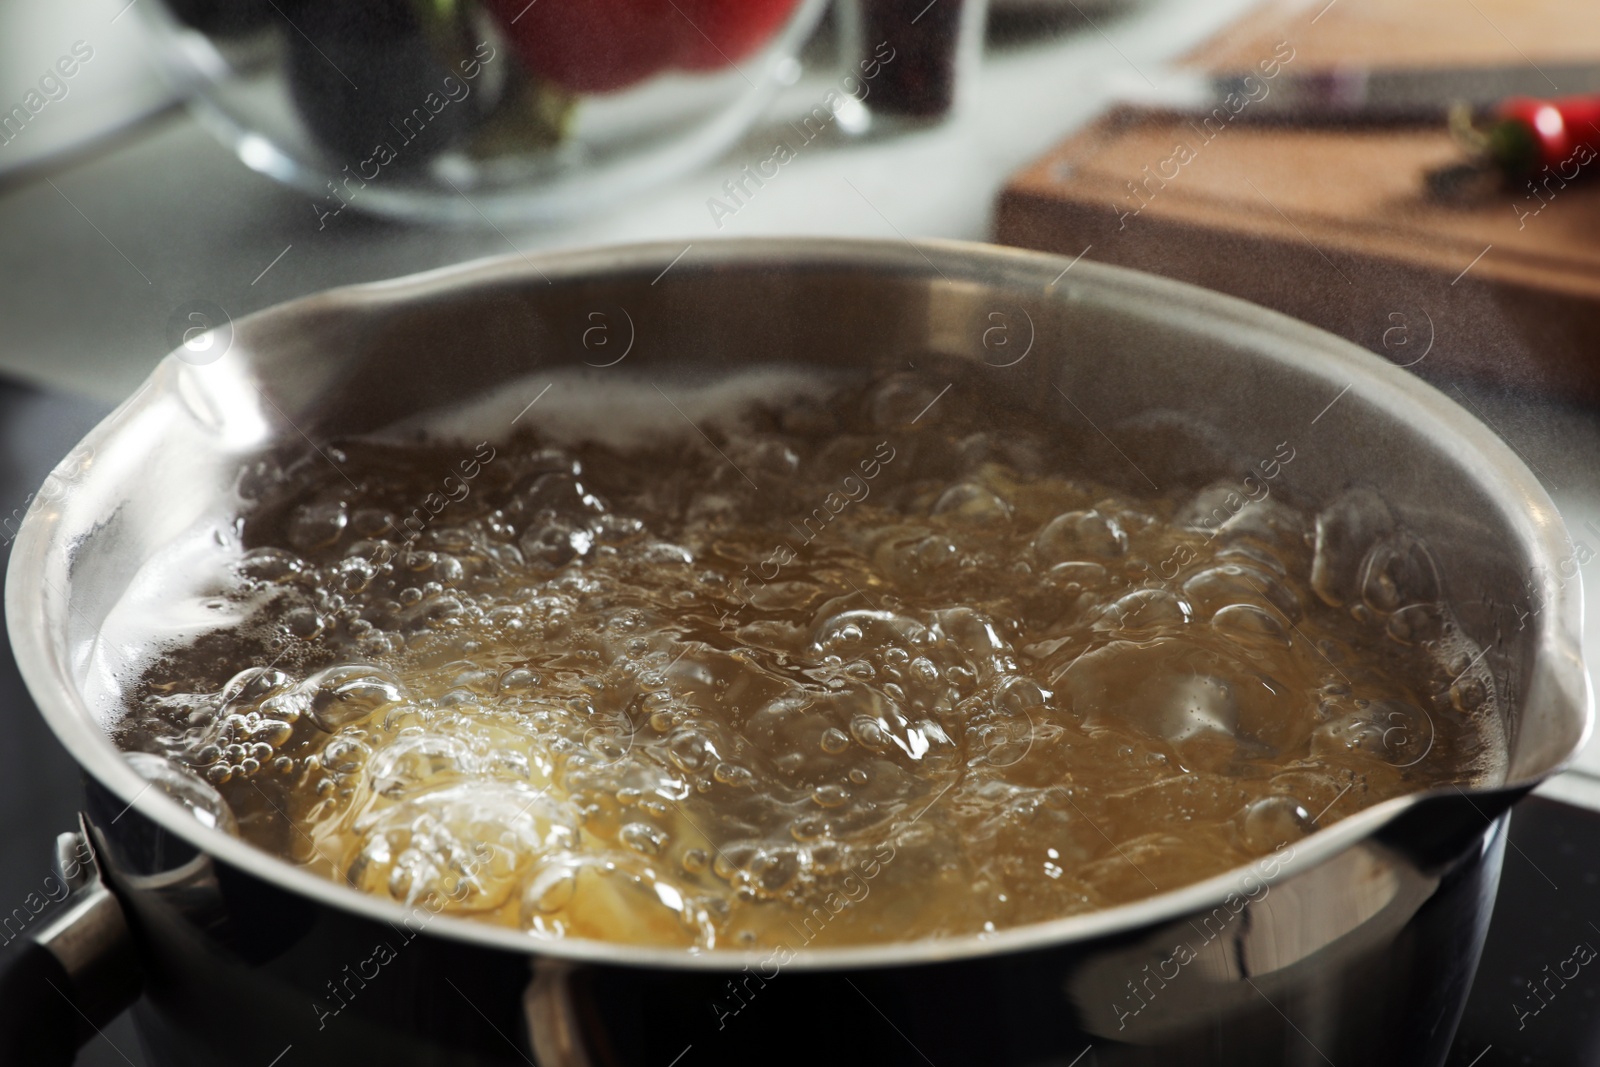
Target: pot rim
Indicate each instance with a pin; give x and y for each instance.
(39, 550)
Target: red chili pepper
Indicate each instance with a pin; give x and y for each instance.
(1527, 134)
(599, 46)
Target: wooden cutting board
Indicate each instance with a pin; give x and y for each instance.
(1409, 33)
(1336, 226)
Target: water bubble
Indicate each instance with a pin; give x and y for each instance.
(338, 696)
(968, 503)
(552, 888)
(1235, 583)
(1145, 609)
(1399, 570)
(448, 569)
(1417, 624)
(1275, 821)
(268, 735)
(1223, 511)
(558, 492)
(1005, 742)
(482, 682)
(1468, 695)
(734, 776)
(518, 679)
(1254, 555)
(314, 526)
(772, 871)
(271, 565)
(1187, 696)
(554, 542)
(1251, 625)
(303, 622)
(915, 561)
(355, 574)
(613, 529)
(193, 793)
(869, 734)
(609, 742)
(415, 763)
(1075, 575)
(690, 750)
(1396, 732)
(643, 838)
(254, 684)
(1077, 534)
(1345, 532)
(873, 629)
(830, 796)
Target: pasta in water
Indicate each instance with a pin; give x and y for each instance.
(826, 671)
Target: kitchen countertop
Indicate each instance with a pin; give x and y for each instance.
(98, 248)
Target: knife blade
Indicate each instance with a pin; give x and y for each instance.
(1368, 95)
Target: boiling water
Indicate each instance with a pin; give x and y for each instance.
(823, 672)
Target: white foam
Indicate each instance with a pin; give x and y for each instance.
(178, 595)
(572, 406)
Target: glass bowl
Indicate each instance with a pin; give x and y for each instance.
(469, 110)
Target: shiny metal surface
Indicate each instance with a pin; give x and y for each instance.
(90, 936)
(1414, 94)
(1357, 947)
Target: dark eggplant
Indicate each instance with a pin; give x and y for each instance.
(386, 84)
(232, 18)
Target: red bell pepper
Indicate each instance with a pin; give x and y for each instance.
(726, 31)
(600, 46)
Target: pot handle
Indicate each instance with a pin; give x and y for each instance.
(38, 1024)
(73, 975)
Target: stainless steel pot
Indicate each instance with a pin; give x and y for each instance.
(1356, 947)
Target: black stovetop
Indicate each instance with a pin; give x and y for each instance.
(1546, 918)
